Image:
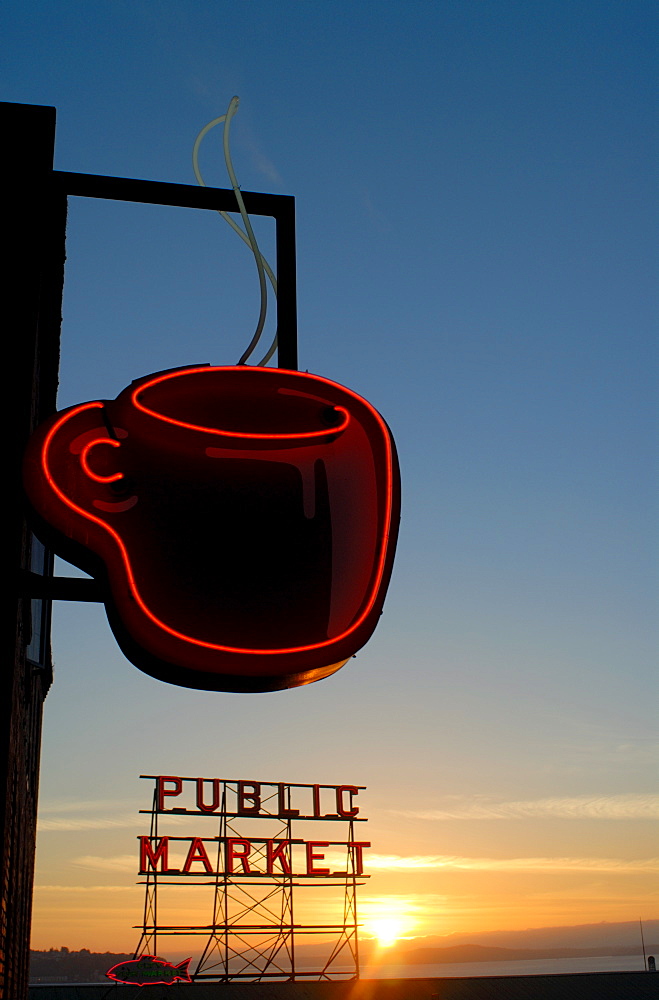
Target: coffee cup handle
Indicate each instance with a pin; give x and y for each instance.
(84, 460)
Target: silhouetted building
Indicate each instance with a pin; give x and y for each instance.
(34, 225)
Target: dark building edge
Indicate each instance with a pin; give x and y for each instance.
(34, 220)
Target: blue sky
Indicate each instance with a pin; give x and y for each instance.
(475, 189)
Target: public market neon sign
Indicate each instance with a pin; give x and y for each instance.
(245, 856)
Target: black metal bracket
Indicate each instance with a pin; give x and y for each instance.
(277, 206)
(61, 588)
(280, 207)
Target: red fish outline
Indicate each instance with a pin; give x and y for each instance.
(181, 967)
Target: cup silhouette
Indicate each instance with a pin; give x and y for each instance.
(242, 519)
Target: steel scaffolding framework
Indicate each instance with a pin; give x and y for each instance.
(253, 933)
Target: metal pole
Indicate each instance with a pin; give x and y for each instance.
(286, 283)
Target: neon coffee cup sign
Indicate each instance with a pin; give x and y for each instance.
(243, 519)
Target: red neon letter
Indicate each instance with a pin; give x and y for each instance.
(311, 857)
(200, 795)
(153, 857)
(316, 800)
(197, 852)
(357, 845)
(162, 791)
(278, 853)
(342, 811)
(241, 856)
(284, 811)
(254, 795)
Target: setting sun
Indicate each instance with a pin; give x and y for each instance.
(387, 930)
(387, 919)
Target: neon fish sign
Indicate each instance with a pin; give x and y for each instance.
(243, 519)
(150, 970)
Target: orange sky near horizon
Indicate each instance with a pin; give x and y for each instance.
(502, 871)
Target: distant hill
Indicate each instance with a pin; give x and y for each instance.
(64, 966)
(604, 935)
(484, 953)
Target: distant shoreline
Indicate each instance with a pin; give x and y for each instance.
(84, 966)
(483, 953)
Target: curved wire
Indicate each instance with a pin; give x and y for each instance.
(248, 237)
(233, 107)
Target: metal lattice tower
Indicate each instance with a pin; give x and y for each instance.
(252, 934)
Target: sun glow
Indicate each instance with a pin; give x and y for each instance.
(387, 919)
(386, 930)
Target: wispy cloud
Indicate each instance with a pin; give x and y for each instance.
(448, 862)
(84, 814)
(266, 167)
(86, 823)
(84, 888)
(576, 807)
(118, 863)
(259, 161)
(82, 805)
(90, 814)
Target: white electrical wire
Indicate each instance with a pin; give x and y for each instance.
(246, 235)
